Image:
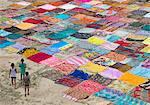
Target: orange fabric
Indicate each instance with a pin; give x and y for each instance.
(132, 79)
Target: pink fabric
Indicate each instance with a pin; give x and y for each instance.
(90, 86)
(77, 60)
(53, 61)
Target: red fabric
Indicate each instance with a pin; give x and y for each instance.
(39, 57)
(57, 3)
(39, 10)
(33, 21)
(122, 43)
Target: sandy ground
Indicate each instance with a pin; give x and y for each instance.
(42, 92)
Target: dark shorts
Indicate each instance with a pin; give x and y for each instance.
(13, 77)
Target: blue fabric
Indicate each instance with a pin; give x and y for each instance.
(4, 33)
(87, 6)
(6, 43)
(100, 50)
(112, 38)
(141, 71)
(62, 16)
(80, 74)
(50, 51)
(59, 44)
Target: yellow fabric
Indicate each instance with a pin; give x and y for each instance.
(146, 49)
(92, 68)
(147, 41)
(29, 52)
(96, 40)
(25, 26)
(11, 49)
(132, 79)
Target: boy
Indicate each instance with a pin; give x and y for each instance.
(12, 74)
(26, 82)
(22, 66)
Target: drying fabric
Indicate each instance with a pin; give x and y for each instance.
(92, 68)
(141, 71)
(146, 41)
(115, 56)
(33, 21)
(132, 79)
(109, 94)
(65, 68)
(4, 33)
(140, 93)
(121, 86)
(47, 7)
(146, 28)
(111, 73)
(62, 16)
(80, 74)
(103, 61)
(25, 26)
(77, 60)
(12, 29)
(52, 61)
(101, 80)
(109, 45)
(146, 64)
(146, 49)
(69, 81)
(38, 57)
(6, 43)
(52, 74)
(100, 50)
(14, 36)
(112, 38)
(96, 40)
(82, 35)
(126, 99)
(121, 67)
(18, 46)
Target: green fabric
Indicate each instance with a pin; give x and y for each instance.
(3, 19)
(22, 68)
(136, 24)
(146, 28)
(14, 36)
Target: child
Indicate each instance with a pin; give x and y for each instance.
(26, 82)
(22, 66)
(12, 74)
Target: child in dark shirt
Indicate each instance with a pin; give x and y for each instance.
(26, 82)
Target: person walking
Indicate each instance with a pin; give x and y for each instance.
(12, 74)
(26, 83)
(22, 66)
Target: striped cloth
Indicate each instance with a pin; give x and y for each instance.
(77, 60)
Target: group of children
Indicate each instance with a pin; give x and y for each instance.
(24, 76)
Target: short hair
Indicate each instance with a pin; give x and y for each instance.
(27, 73)
(12, 64)
(22, 60)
